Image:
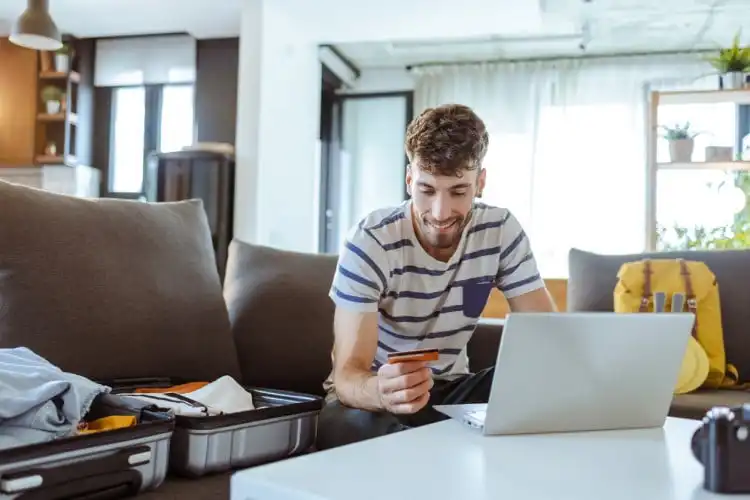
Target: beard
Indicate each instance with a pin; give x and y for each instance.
(443, 234)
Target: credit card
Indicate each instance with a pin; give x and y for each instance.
(415, 355)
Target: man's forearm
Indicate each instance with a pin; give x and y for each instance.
(358, 388)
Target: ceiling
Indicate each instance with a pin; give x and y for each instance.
(101, 18)
(578, 27)
(565, 27)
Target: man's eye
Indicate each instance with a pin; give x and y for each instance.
(427, 191)
(459, 193)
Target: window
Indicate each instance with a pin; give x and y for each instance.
(176, 123)
(146, 119)
(365, 165)
(571, 181)
(129, 120)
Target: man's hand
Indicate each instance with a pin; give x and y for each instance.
(397, 388)
(404, 387)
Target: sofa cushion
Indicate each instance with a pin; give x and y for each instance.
(592, 279)
(112, 288)
(282, 318)
(696, 404)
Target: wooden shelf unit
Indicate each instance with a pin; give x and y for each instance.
(58, 128)
(73, 76)
(727, 166)
(56, 160)
(736, 96)
(656, 99)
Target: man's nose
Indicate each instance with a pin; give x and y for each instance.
(441, 208)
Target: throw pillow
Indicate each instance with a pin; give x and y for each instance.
(592, 279)
(282, 318)
(112, 289)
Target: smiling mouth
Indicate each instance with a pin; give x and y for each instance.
(444, 226)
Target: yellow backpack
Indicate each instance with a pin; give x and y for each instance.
(637, 282)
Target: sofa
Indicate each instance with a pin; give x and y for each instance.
(591, 281)
(116, 289)
(284, 295)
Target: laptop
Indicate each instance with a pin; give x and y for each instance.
(581, 371)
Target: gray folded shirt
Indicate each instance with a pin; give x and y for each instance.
(38, 401)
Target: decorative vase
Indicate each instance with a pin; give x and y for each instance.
(62, 63)
(733, 81)
(53, 107)
(681, 150)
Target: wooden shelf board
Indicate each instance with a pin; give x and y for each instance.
(58, 117)
(739, 96)
(69, 160)
(73, 76)
(706, 165)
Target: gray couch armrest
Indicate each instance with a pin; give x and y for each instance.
(482, 348)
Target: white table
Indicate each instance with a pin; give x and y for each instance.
(449, 461)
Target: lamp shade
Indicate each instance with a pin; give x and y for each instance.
(35, 29)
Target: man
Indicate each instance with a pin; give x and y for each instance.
(418, 276)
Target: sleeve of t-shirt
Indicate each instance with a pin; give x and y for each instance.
(518, 272)
(360, 278)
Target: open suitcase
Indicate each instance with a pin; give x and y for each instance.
(282, 424)
(108, 464)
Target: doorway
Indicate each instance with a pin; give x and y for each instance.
(363, 162)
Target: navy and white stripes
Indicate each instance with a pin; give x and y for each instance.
(422, 302)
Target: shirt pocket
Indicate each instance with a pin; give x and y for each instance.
(475, 297)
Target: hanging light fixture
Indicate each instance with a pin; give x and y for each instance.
(35, 29)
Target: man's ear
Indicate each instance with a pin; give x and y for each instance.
(408, 180)
(481, 180)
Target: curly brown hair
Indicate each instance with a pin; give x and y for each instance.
(447, 140)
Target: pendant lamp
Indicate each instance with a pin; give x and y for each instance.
(35, 29)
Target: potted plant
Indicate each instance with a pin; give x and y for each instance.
(63, 56)
(733, 64)
(681, 142)
(52, 99)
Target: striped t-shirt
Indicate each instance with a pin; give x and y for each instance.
(423, 302)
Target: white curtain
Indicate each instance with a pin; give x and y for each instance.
(567, 143)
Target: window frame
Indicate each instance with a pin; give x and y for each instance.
(154, 94)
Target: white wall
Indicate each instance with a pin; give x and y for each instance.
(277, 188)
(248, 123)
(277, 130)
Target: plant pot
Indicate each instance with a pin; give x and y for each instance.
(733, 81)
(53, 107)
(681, 150)
(62, 63)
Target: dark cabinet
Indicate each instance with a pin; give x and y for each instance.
(206, 175)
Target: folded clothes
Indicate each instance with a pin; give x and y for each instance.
(222, 396)
(109, 423)
(38, 401)
(178, 389)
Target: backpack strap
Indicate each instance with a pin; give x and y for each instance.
(692, 305)
(646, 286)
